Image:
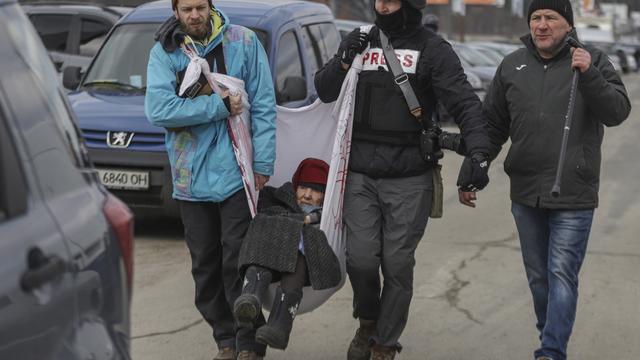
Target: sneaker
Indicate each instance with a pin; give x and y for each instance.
(359, 349)
(226, 353)
(379, 352)
(248, 355)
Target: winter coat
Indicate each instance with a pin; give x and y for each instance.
(274, 235)
(437, 76)
(203, 163)
(528, 102)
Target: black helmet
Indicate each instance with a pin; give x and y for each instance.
(431, 21)
(417, 4)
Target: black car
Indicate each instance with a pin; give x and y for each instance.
(66, 244)
(72, 32)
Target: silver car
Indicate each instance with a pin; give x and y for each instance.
(66, 244)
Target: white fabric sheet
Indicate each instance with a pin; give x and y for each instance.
(319, 130)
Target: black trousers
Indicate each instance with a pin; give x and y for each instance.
(214, 233)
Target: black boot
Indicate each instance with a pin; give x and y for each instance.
(248, 305)
(276, 332)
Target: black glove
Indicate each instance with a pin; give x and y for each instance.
(352, 45)
(474, 171)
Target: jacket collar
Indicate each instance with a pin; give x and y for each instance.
(287, 194)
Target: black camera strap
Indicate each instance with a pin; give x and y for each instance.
(400, 77)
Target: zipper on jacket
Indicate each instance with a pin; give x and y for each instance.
(545, 67)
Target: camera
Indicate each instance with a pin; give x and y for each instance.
(453, 142)
(430, 145)
(433, 140)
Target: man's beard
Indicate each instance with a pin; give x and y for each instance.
(198, 34)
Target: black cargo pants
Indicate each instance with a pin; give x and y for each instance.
(214, 233)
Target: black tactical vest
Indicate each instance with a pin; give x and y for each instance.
(381, 111)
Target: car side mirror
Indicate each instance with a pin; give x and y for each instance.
(294, 89)
(71, 77)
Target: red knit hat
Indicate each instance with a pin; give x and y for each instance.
(311, 171)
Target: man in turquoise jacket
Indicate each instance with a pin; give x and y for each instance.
(206, 177)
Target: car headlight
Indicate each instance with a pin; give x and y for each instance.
(474, 80)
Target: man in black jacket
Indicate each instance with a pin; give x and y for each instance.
(389, 185)
(527, 102)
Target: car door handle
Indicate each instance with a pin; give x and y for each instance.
(42, 270)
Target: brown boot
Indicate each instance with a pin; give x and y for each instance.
(226, 353)
(379, 352)
(359, 349)
(248, 355)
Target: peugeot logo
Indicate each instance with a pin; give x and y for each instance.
(119, 139)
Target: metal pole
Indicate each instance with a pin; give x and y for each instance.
(555, 190)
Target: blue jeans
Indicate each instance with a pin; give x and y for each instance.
(554, 244)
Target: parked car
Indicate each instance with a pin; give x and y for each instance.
(484, 67)
(128, 151)
(489, 52)
(620, 57)
(66, 244)
(503, 48)
(72, 32)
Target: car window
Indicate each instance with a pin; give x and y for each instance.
(288, 62)
(124, 56)
(55, 165)
(28, 47)
(262, 37)
(323, 40)
(331, 40)
(314, 46)
(473, 57)
(53, 30)
(13, 194)
(92, 34)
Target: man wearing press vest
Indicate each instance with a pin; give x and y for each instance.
(394, 153)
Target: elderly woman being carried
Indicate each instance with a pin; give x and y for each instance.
(284, 243)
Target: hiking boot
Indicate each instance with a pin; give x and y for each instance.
(248, 355)
(226, 353)
(277, 330)
(359, 349)
(248, 305)
(379, 352)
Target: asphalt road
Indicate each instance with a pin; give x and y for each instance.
(471, 300)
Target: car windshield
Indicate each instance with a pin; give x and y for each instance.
(122, 63)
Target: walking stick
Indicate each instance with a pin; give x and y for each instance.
(555, 190)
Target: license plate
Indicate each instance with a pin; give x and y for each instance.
(124, 179)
